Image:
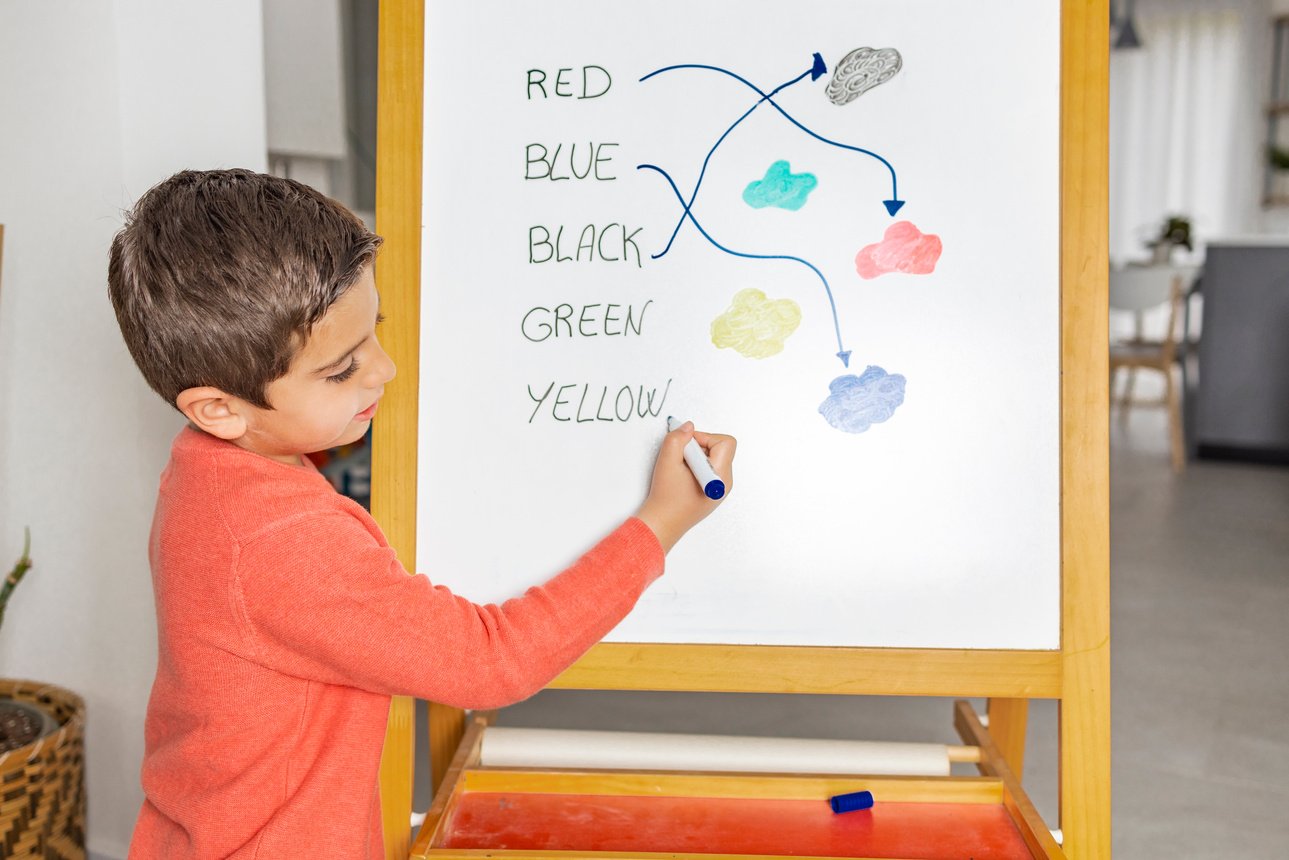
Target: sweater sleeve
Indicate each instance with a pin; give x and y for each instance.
(322, 599)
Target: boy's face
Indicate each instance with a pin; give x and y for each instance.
(329, 396)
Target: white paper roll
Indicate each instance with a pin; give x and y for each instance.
(559, 748)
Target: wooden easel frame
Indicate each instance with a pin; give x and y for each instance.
(1078, 675)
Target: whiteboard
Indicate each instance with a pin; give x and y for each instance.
(864, 290)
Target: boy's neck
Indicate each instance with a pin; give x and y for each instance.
(296, 460)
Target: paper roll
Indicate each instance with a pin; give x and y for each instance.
(559, 748)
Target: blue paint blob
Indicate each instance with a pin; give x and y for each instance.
(780, 187)
(856, 403)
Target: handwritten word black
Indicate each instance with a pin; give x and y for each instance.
(542, 323)
(564, 88)
(598, 403)
(541, 163)
(590, 244)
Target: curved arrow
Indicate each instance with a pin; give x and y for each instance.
(892, 206)
(842, 352)
(816, 69)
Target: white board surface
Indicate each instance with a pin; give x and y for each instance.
(907, 498)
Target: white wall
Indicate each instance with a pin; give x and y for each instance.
(304, 78)
(99, 100)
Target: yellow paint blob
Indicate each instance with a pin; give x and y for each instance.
(755, 326)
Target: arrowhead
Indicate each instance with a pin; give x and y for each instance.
(818, 68)
(845, 357)
(893, 206)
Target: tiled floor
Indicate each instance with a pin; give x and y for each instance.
(1200, 615)
(1200, 602)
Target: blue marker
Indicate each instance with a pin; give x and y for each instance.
(851, 802)
(713, 486)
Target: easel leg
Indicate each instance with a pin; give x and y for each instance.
(1085, 487)
(1007, 721)
(447, 725)
(396, 777)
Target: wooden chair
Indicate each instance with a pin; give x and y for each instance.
(1138, 289)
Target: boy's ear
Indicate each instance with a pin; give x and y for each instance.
(213, 411)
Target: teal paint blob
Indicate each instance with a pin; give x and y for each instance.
(780, 187)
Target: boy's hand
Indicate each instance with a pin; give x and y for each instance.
(676, 503)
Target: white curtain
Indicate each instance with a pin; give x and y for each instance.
(1187, 129)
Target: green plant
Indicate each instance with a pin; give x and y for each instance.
(1278, 158)
(1175, 230)
(15, 576)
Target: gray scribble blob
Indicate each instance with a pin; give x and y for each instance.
(860, 71)
(856, 403)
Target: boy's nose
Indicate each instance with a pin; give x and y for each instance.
(385, 367)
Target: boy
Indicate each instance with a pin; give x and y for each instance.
(285, 622)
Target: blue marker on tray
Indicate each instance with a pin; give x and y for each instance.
(851, 802)
(713, 486)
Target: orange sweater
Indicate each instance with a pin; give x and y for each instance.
(285, 623)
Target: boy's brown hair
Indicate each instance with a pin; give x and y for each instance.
(218, 276)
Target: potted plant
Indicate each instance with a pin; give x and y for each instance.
(42, 738)
(20, 722)
(1277, 183)
(1175, 231)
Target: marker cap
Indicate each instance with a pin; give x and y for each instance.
(851, 802)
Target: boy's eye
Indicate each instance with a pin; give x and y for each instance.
(346, 373)
(380, 318)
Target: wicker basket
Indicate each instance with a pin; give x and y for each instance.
(42, 785)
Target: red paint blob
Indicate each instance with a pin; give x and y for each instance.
(904, 248)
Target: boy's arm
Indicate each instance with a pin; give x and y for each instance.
(325, 601)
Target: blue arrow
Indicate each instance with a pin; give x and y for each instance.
(816, 69)
(842, 352)
(892, 206)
